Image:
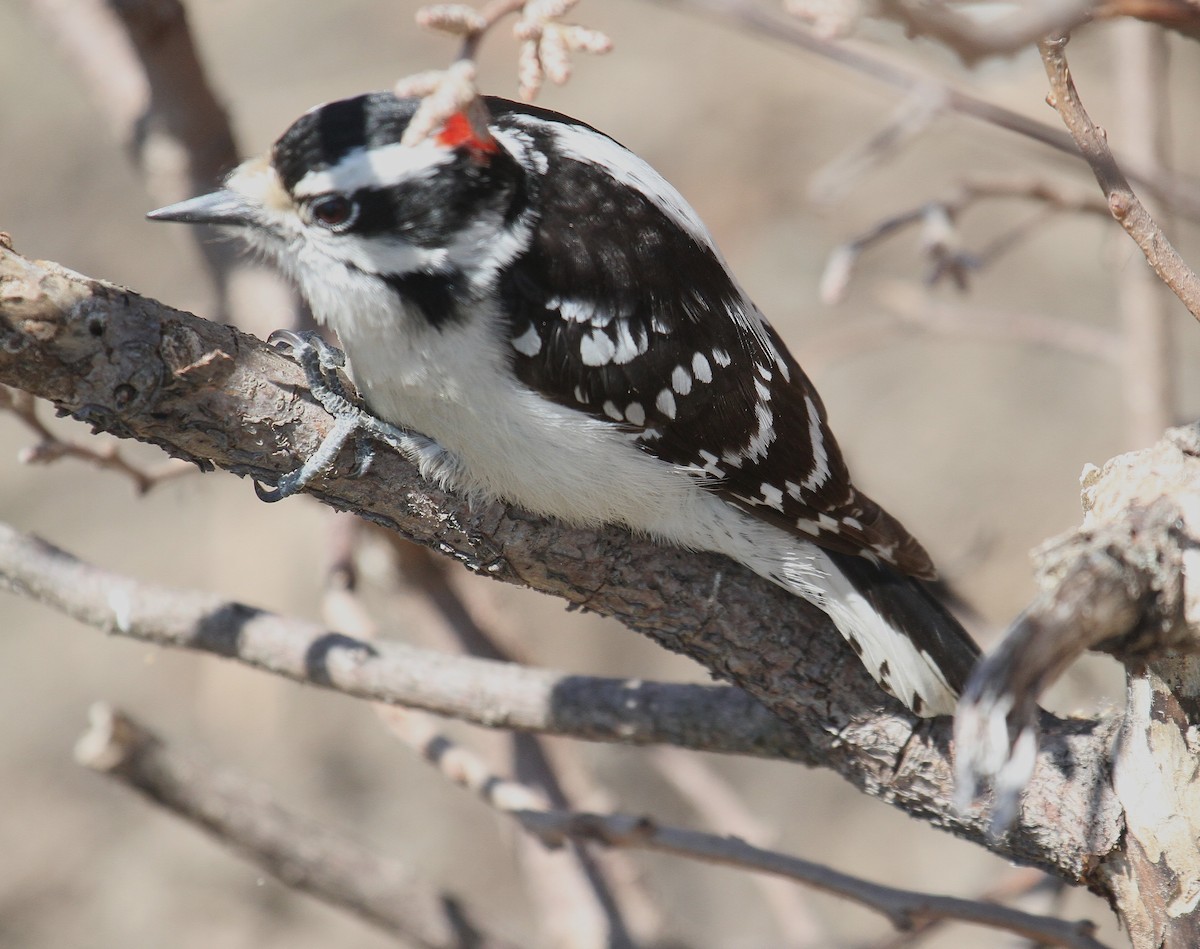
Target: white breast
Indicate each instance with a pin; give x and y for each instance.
(455, 385)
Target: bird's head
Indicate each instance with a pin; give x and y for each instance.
(343, 205)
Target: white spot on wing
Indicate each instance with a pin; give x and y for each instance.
(628, 348)
(635, 413)
(577, 311)
(528, 343)
(710, 464)
(763, 391)
(596, 348)
(772, 495)
(611, 410)
(701, 369)
(681, 382)
(665, 403)
(722, 358)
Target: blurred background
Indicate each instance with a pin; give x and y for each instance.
(975, 442)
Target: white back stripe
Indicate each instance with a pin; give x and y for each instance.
(591, 147)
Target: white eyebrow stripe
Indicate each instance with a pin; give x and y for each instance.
(378, 167)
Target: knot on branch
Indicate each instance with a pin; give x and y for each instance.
(1127, 583)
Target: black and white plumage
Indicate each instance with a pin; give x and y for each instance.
(555, 319)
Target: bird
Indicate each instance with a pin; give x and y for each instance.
(558, 328)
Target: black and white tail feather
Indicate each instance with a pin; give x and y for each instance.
(555, 318)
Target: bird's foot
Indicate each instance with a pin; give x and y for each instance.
(320, 363)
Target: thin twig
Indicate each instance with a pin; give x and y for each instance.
(919, 109)
(1052, 197)
(51, 448)
(489, 693)
(546, 47)
(1180, 193)
(976, 38)
(1122, 202)
(1019, 883)
(139, 63)
(905, 308)
(903, 908)
(719, 804)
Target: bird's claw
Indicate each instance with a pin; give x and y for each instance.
(320, 363)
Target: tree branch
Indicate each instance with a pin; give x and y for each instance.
(206, 392)
(1122, 584)
(556, 827)
(1122, 202)
(481, 691)
(1180, 193)
(975, 38)
(298, 852)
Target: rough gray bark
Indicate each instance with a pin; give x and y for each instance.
(1125, 583)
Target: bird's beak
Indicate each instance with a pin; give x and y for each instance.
(224, 207)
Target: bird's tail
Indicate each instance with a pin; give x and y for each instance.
(909, 642)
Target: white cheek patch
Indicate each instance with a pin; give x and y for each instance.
(376, 168)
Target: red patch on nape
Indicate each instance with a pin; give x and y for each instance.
(459, 132)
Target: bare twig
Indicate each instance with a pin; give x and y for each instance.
(546, 45)
(1180, 15)
(922, 105)
(902, 907)
(1053, 199)
(555, 828)
(299, 853)
(719, 804)
(139, 63)
(1181, 194)
(50, 448)
(1122, 202)
(906, 308)
(975, 38)
(1020, 882)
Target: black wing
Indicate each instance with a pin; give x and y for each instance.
(618, 311)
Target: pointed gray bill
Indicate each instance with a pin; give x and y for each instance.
(222, 207)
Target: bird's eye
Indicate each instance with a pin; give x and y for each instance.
(333, 211)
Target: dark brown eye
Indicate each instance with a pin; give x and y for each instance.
(334, 211)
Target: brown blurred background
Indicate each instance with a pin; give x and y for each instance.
(977, 445)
